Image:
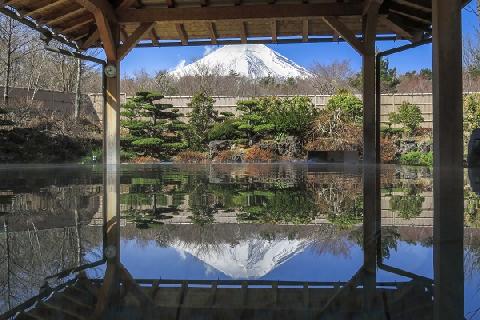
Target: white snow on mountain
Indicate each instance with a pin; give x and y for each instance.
(249, 60)
(248, 259)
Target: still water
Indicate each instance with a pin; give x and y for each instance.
(260, 224)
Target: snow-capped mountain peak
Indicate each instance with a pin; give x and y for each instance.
(248, 60)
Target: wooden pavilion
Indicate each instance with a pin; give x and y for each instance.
(118, 26)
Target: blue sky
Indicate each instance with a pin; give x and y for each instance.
(305, 54)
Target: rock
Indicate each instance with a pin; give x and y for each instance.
(290, 147)
(217, 145)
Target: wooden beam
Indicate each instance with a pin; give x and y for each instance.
(243, 32)
(105, 32)
(397, 28)
(125, 4)
(123, 34)
(213, 32)
(274, 31)
(306, 30)
(182, 34)
(231, 12)
(99, 5)
(134, 38)
(154, 36)
(424, 5)
(346, 34)
(93, 38)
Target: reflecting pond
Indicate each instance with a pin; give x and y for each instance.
(237, 225)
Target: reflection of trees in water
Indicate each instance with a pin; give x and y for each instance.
(279, 206)
(339, 197)
(30, 256)
(408, 205)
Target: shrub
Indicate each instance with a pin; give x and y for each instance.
(292, 116)
(191, 156)
(408, 206)
(471, 114)
(256, 154)
(225, 130)
(350, 107)
(409, 116)
(225, 156)
(388, 150)
(417, 158)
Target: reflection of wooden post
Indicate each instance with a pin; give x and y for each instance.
(448, 160)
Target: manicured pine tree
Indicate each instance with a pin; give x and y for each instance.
(154, 128)
(254, 120)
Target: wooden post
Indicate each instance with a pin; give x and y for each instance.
(371, 157)
(448, 160)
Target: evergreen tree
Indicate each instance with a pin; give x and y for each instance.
(202, 119)
(153, 128)
(254, 119)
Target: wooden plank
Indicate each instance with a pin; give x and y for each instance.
(305, 30)
(274, 31)
(182, 34)
(415, 14)
(133, 39)
(232, 12)
(346, 34)
(212, 31)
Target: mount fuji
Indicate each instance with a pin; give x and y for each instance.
(248, 60)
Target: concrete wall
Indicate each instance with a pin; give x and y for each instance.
(390, 103)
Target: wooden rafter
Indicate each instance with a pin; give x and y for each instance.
(231, 12)
(425, 5)
(105, 32)
(213, 32)
(66, 17)
(77, 26)
(154, 36)
(182, 34)
(133, 39)
(39, 11)
(305, 30)
(338, 27)
(123, 34)
(412, 13)
(243, 32)
(274, 31)
(93, 38)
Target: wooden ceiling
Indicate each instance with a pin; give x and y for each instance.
(194, 22)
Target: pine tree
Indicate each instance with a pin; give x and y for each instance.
(254, 119)
(154, 129)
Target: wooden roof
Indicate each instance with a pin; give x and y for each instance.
(200, 22)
